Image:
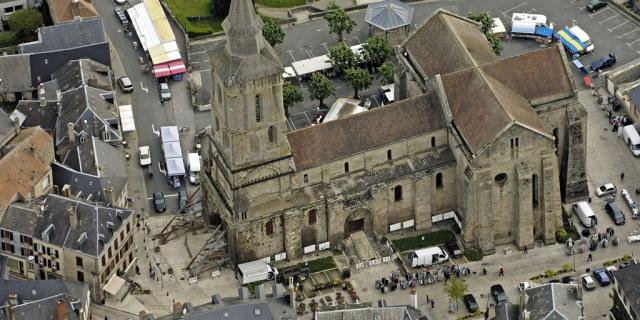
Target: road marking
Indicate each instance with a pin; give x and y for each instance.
(153, 128)
(324, 44)
(607, 19)
(601, 11)
(630, 43)
(504, 13)
(291, 54)
(624, 35)
(357, 40)
(143, 88)
(305, 115)
(616, 27)
(309, 52)
(166, 196)
(293, 126)
(318, 30)
(199, 52)
(532, 10)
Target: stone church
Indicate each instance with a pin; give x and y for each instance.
(500, 142)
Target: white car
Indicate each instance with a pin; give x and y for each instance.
(121, 2)
(605, 190)
(588, 282)
(145, 156)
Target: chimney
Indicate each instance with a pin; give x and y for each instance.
(59, 102)
(43, 100)
(216, 299)
(109, 197)
(243, 293)
(16, 124)
(61, 310)
(277, 290)
(177, 310)
(71, 132)
(43, 209)
(73, 217)
(66, 190)
(13, 299)
(261, 293)
(75, 9)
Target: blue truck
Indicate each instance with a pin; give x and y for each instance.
(570, 42)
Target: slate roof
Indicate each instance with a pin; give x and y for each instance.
(482, 107)
(77, 73)
(634, 95)
(37, 299)
(27, 218)
(15, 72)
(629, 281)
(26, 160)
(553, 301)
(7, 128)
(386, 313)
(32, 114)
(389, 14)
(446, 43)
(368, 130)
(66, 35)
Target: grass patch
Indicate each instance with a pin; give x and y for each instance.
(8, 38)
(473, 254)
(252, 286)
(430, 239)
(195, 8)
(281, 3)
(321, 264)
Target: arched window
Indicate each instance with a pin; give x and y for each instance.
(258, 109)
(269, 228)
(439, 182)
(305, 178)
(397, 193)
(534, 190)
(346, 167)
(389, 155)
(272, 134)
(433, 142)
(312, 216)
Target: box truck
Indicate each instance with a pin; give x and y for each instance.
(255, 271)
(534, 26)
(194, 168)
(427, 257)
(632, 139)
(585, 214)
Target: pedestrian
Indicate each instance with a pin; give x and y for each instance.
(428, 300)
(525, 250)
(484, 271)
(590, 257)
(433, 303)
(236, 274)
(621, 176)
(501, 272)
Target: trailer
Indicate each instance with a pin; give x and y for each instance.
(570, 42)
(533, 26)
(255, 271)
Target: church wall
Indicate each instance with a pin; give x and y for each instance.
(252, 241)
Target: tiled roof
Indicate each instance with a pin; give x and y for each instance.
(15, 73)
(62, 10)
(77, 73)
(340, 138)
(71, 34)
(36, 115)
(7, 128)
(37, 299)
(629, 281)
(26, 161)
(553, 301)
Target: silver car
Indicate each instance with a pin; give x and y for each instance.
(165, 93)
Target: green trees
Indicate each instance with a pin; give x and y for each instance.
(376, 51)
(386, 71)
(342, 58)
(456, 289)
(320, 88)
(290, 96)
(487, 25)
(358, 79)
(25, 22)
(339, 21)
(272, 32)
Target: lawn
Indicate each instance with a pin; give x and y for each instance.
(195, 8)
(321, 264)
(430, 239)
(281, 3)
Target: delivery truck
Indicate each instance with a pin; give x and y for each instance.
(427, 257)
(534, 26)
(255, 271)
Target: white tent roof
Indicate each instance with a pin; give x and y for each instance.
(169, 134)
(114, 285)
(172, 150)
(175, 167)
(126, 118)
(389, 14)
(312, 65)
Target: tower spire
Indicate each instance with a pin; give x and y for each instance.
(243, 29)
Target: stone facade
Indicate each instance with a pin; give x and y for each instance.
(279, 192)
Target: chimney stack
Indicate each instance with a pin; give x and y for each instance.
(16, 125)
(66, 190)
(261, 293)
(71, 132)
(109, 197)
(73, 217)
(243, 293)
(13, 299)
(61, 310)
(43, 101)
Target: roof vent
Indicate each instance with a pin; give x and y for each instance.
(43, 209)
(81, 240)
(101, 238)
(47, 232)
(110, 226)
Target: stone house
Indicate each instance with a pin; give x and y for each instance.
(44, 299)
(467, 136)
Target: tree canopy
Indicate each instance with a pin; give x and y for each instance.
(456, 289)
(320, 88)
(487, 26)
(339, 21)
(272, 32)
(386, 72)
(342, 57)
(290, 96)
(25, 22)
(358, 79)
(376, 51)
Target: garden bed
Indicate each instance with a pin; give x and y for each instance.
(196, 8)
(423, 240)
(282, 3)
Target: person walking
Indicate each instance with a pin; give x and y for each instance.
(525, 250)
(621, 176)
(501, 271)
(433, 303)
(589, 258)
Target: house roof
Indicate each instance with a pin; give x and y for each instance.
(71, 34)
(482, 107)
(37, 299)
(98, 222)
(446, 43)
(634, 95)
(7, 127)
(32, 114)
(389, 14)
(62, 10)
(629, 281)
(26, 160)
(553, 301)
(386, 313)
(340, 138)
(77, 73)
(15, 72)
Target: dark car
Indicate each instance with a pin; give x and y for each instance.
(604, 62)
(569, 279)
(158, 202)
(470, 303)
(182, 201)
(453, 248)
(602, 277)
(615, 213)
(554, 281)
(595, 5)
(498, 294)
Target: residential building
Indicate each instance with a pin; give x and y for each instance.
(363, 311)
(404, 165)
(68, 238)
(626, 293)
(26, 166)
(16, 81)
(69, 10)
(552, 301)
(624, 83)
(8, 7)
(7, 128)
(44, 299)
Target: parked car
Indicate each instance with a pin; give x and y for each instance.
(125, 84)
(615, 213)
(182, 201)
(569, 280)
(604, 62)
(498, 294)
(121, 2)
(610, 270)
(158, 202)
(587, 282)
(145, 155)
(605, 190)
(595, 5)
(470, 303)
(453, 248)
(624, 265)
(602, 277)
(165, 93)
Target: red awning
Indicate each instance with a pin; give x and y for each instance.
(161, 70)
(177, 67)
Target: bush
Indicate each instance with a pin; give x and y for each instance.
(566, 267)
(549, 273)
(562, 236)
(7, 38)
(473, 254)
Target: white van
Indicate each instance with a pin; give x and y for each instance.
(585, 214)
(632, 139)
(194, 168)
(583, 37)
(427, 257)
